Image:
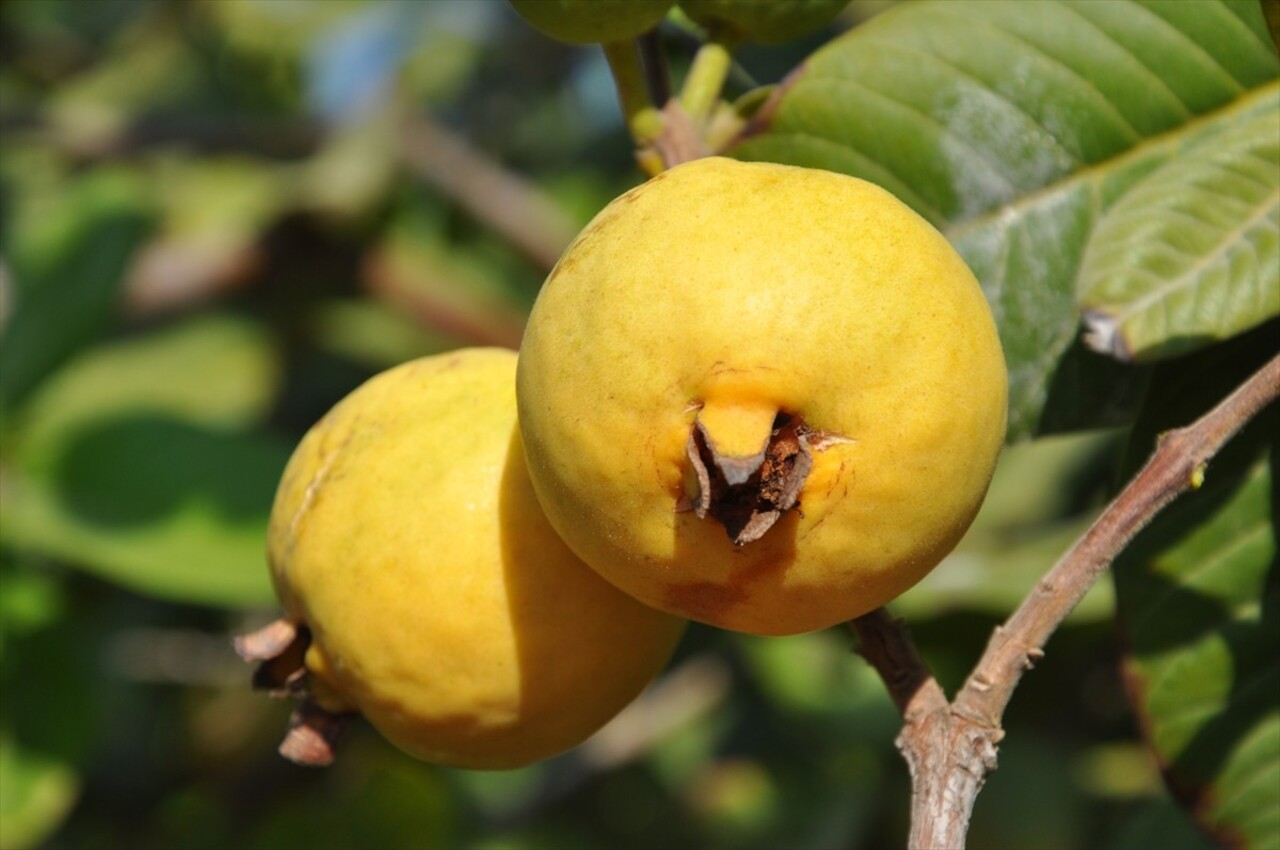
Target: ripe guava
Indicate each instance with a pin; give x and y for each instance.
(407, 544)
(765, 397)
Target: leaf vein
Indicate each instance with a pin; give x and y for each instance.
(1215, 255)
(1148, 72)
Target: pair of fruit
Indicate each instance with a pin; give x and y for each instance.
(763, 397)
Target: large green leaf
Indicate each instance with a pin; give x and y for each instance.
(1013, 127)
(1192, 253)
(1198, 598)
(135, 462)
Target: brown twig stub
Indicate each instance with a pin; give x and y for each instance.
(951, 748)
(679, 141)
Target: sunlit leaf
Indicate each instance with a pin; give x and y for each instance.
(1192, 253)
(69, 282)
(135, 464)
(1013, 127)
(215, 370)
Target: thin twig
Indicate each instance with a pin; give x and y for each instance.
(503, 201)
(885, 642)
(1176, 466)
(950, 748)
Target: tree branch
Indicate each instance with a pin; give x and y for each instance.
(1177, 466)
(950, 748)
(503, 201)
(885, 642)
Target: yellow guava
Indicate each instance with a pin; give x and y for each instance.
(592, 21)
(765, 397)
(406, 538)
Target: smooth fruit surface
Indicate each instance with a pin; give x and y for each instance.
(720, 294)
(765, 21)
(592, 21)
(405, 535)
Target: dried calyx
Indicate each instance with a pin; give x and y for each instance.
(748, 494)
(280, 650)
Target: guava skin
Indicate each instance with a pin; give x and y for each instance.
(720, 289)
(592, 21)
(441, 604)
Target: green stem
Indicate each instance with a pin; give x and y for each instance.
(710, 68)
(643, 120)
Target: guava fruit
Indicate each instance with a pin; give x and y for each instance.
(592, 21)
(764, 397)
(407, 546)
(764, 21)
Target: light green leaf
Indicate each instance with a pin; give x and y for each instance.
(1192, 253)
(70, 275)
(1032, 514)
(1197, 599)
(38, 792)
(1013, 127)
(215, 370)
(136, 463)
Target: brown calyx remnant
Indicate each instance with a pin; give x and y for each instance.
(280, 650)
(749, 494)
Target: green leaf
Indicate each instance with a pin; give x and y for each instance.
(215, 370)
(1043, 496)
(1013, 127)
(39, 791)
(1198, 599)
(1192, 253)
(135, 463)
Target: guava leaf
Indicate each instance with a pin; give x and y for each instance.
(92, 231)
(39, 791)
(135, 462)
(1192, 252)
(1198, 599)
(1043, 496)
(1013, 127)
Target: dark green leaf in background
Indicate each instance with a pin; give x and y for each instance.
(39, 787)
(1198, 595)
(1013, 127)
(64, 302)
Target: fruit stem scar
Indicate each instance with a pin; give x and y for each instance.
(313, 735)
(280, 649)
(747, 495)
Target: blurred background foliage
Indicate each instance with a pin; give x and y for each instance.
(219, 217)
